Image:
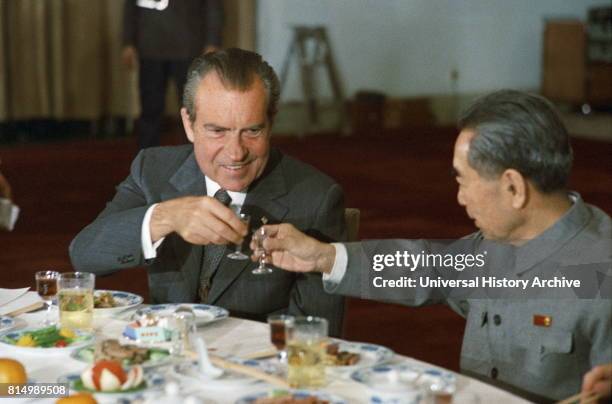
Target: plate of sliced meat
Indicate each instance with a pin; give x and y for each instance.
(126, 354)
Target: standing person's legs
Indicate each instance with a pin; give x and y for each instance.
(178, 71)
(152, 84)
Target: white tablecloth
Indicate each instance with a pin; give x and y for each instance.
(229, 336)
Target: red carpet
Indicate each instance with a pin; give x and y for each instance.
(402, 183)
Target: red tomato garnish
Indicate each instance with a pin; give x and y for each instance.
(111, 366)
(61, 343)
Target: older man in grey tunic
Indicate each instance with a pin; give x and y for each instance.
(512, 159)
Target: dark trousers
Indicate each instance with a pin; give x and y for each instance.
(153, 81)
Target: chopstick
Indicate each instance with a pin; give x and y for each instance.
(265, 353)
(26, 309)
(249, 371)
(582, 398)
(243, 369)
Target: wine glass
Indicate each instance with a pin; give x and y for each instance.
(281, 326)
(238, 254)
(46, 286)
(260, 235)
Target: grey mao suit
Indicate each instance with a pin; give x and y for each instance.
(288, 191)
(505, 341)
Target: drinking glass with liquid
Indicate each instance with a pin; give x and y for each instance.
(238, 253)
(46, 286)
(281, 327)
(306, 353)
(75, 300)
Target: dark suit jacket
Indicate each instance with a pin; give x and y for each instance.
(288, 191)
(178, 32)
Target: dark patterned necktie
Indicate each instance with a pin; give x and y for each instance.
(212, 255)
(222, 196)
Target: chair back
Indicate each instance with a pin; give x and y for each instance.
(351, 218)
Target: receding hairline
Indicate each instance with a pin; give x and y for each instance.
(462, 144)
(229, 86)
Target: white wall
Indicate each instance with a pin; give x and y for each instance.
(409, 47)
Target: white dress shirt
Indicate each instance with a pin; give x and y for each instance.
(149, 249)
(340, 263)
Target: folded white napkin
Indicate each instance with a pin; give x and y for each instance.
(9, 212)
(15, 299)
(8, 295)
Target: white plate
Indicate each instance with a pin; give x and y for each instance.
(369, 355)
(87, 339)
(332, 399)
(154, 381)
(83, 355)
(407, 375)
(204, 313)
(189, 370)
(124, 301)
(6, 323)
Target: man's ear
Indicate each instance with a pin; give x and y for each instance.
(515, 185)
(187, 124)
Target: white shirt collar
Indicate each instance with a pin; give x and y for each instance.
(212, 187)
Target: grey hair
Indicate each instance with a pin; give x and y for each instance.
(521, 131)
(237, 69)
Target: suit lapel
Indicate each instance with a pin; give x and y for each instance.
(187, 180)
(264, 198)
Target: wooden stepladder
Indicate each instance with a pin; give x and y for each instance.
(311, 46)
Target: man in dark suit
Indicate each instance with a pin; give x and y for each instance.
(164, 214)
(160, 39)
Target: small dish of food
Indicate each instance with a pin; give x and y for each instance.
(126, 354)
(108, 303)
(48, 339)
(344, 356)
(110, 378)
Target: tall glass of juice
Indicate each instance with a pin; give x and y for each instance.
(75, 300)
(306, 353)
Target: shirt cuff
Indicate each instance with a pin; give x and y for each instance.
(149, 249)
(340, 263)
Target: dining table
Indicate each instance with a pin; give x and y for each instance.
(229, 336)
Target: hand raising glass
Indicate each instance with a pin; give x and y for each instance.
(259, 236)
(238, 254)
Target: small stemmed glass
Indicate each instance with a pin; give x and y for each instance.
(281, 326)
(46, 286)
(259, 236)
(238, 254)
